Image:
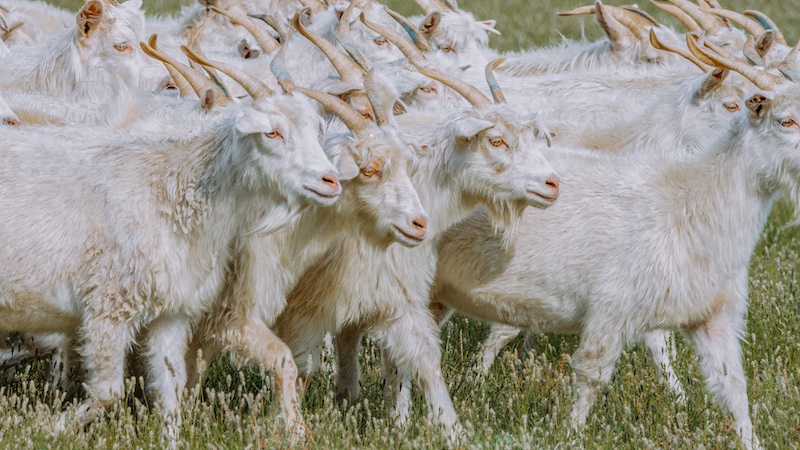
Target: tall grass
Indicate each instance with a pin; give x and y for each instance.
(522, 402)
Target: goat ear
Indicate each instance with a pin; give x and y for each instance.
(399, 108)
(343, 160)
(468, 128)
(89, 18)
(489, 26)
(758, 105)
(764, 42)
(250, 121)
(712, 82)
(207, 100)
(430, 22)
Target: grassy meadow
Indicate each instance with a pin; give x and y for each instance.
(522, 402)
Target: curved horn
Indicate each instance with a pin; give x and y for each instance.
(405, 46)
(707, 21)
(413, 32)
(354, 121)
(581, 10)
(256, 88)
(694, 48)
(679, 14)
(643, 14)
(657, 44)
(767, 23)
(469, 92)
(749, 51)
(789, 65)
(348, 70)
(198, 81)
(314, 6)
(745, 22)
(375, 100)
(497, 94)
(633, 21)
(278, 25)
(343, 36)
(447, 4)
(267, 43)
(762, 79)
(426, 6)
(278, 68)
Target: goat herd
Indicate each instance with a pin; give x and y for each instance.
(184, 193)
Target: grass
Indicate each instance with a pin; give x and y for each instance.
(523, 402)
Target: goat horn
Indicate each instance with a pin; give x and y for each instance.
(743, 21)
(749, 51)
(348, 70)
(789, 65)
(354, 121)
(256, 88)
(315, 6)
(643, 14)
(375, 100)
(413, 32)
(193, 42)
(447, 4)
(278, 25)
(657, 44)
(497, 94)
(631, 20)
(343, 36)
(581, 10)
(212, 73)
(762, 79)
(679, 14)
(694, 48)
(767, 23)
(469, 92)
(267, 43)
(426, 6)
(405, 46)
(707, 21)
(180, 81)
(196, 80)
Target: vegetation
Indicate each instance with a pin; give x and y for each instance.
(523, 402)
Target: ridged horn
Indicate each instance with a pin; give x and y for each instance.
(413, 32)
(277, 25)
(447, 4)
(749, 51)
(278, 68)
(643, 14)
(679, 14)
(633, 21)
(343, 36)
(494, 87)
(657, 44)
(762, 79)
(694, 47)
(789, 65)
(315, 6)
(375, 99)
(351, 118)
(405, 46)
(267, 43)
(256, 88)
(196, 80)
(707, 21)
(469, 92)
(767, 23)
(348, 70)
(581, 10)
(749, 25)
(426, 6)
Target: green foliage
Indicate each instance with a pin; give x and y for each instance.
(524, 402)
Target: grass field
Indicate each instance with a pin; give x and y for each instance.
(522, 403)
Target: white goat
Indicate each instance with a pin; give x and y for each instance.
(129, 232)
(480, 155)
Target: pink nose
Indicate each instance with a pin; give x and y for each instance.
(11, 121)
(331, 181)
(552, 183)
(420, 225)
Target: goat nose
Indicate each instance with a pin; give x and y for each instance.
(552, 183)
(11, 121)
(331, 181)
(420, 224)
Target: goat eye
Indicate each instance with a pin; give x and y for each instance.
(369, 172)
(380, 40)
(273, 135)
(497, 142)
(366, 115)
(426, 89)
(447, 49)
(122, 47)
(732, 106)
(787, 122)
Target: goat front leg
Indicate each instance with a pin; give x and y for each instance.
(594, 362)
(661, 347)
(717, 344)
(499, 336)
(411, 341)
(348, 373)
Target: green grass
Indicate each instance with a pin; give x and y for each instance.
(522, 403)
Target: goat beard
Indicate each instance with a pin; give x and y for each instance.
(505, 217)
